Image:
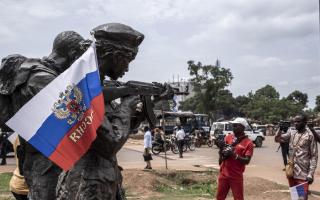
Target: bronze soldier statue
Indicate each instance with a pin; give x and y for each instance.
(97, 174)
(20, 79)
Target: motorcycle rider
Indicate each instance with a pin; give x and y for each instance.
(159, 136)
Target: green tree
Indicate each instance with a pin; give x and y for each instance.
(266, 106)
(208, 82)
(241, 103)
(225, 105)
(317, 108)
(298, 98)
(267, 92)
(262, 104)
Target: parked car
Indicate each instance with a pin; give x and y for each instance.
(260, 128)
(223, 128)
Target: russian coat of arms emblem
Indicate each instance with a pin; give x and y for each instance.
(70, 105)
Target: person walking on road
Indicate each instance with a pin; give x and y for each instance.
(303, 151)
(3, 149)
(180, 134)
(147, 147)
(235, 155)
(284, 145)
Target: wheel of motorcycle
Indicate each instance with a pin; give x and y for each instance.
(156, 150)
(174, 148)
(192, 146)
(209, 143)
(198, 144)
(185, 147)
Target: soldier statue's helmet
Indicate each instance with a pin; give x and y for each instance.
(119, 33)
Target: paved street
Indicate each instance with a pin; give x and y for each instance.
(266, 162)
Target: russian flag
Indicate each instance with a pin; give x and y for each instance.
(62, 119)
(299, 192)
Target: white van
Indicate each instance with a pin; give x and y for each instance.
(225, 127)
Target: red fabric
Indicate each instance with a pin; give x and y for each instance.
(229, 139)
(294, 182)
(69, 152)
(225, 183)
(234, 168)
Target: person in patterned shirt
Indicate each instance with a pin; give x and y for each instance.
(303, 149)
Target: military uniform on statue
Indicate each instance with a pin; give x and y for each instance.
(22, 78)
(97, 175)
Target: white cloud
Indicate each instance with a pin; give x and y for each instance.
(263, 42)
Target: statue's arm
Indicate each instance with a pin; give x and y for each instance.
(115, 128)
(37, 82)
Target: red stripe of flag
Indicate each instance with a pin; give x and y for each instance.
(78, 139)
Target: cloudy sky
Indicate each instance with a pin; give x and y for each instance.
(261, 41)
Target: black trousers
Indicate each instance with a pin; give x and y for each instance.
(20, 196)
(285, 152)
(3, 154)
(180, 146)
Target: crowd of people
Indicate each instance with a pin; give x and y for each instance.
(298, 147)
(159, 138)
(299, 152)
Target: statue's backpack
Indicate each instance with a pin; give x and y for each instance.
(11, 77)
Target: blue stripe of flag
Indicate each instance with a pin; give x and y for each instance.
(300, 190)
(53, 129)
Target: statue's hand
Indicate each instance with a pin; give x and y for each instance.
(130, 104)
(168, 93)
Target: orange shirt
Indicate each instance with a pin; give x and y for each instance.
(231, 167)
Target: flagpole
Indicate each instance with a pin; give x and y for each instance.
(164, 131)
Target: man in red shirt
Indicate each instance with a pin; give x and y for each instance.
(235, 155)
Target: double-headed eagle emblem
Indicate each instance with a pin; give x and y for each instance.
(70, 105)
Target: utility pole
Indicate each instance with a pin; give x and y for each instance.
(164, 131)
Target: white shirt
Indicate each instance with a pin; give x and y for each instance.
(180, 134)
(147, 140)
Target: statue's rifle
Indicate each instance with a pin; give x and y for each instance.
(148, 92)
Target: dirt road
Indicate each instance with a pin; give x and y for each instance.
(261, 176)
(266, 162)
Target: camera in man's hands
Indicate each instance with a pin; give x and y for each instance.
(227, 151)
(284, 126)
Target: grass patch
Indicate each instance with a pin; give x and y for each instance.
(5, 193)
(207, 189)
(187, 185)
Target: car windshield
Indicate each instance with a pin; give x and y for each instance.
(220, 126)
(229, 127)
(248, 128)
(203, 120)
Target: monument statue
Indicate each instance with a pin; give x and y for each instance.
(20, 79)
(97, 174)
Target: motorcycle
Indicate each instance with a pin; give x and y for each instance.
(189, 142)
(168, 144)
(202, 138)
